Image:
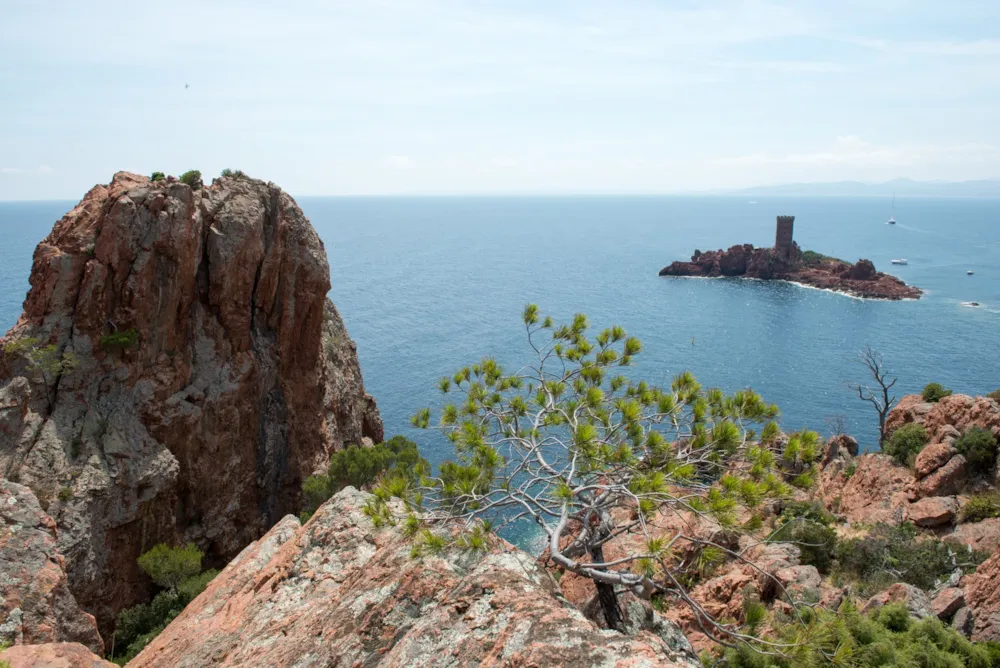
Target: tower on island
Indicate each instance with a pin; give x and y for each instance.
(783, 237)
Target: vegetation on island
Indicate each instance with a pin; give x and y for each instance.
(177, 571)
(359, 467)
(887, 637)
(192, 178)
(979, 447)
(157, 176)
(906, 443)
(120, 339)
(934, 392)
(46, 362)
(980, 507)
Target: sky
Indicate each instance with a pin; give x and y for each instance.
(369, 97)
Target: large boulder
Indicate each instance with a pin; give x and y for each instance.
(948, 601)
(53, 655)
(931, 458)
(914, 599)
(36, 605)
(877, 491)
(863, 270)
(945, 481)
(213, 375)
(340, 592)
(734, 261)
(933, 511)
(982, 593)
(983, 536)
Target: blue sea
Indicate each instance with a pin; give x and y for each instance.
(427, 284)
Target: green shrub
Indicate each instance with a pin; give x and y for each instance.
(65, 494)
(812, 258)
(890, 554)
(980, 507)
(934, 392)
(906, 442)
(192, 178)
(359, 466)
(979, 448)
(808, 525)
(121, 339)
(851, 469)
(170, 566)
(234, 173)
(138, 625)
(994, 395)
(157, 176)
(886, 637)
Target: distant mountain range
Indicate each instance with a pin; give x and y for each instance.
(983, 188)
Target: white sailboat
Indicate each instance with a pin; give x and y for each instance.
(892, 217)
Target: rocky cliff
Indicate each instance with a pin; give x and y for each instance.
(744, 261)
(340, 592)
(209, 374)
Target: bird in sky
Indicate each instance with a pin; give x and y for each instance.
(186, 86)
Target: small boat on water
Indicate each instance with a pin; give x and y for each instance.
(972, 304)
(970, 272)
(900, 261)
(892, 216)
(891, 221)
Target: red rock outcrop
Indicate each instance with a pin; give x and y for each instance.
(946, 419)
(916, 601)
(933, 511)
(983, 536)
(36, 605)
(860, 279)
(931, 458)
(948, 601)
(212, 375)
(877, 491)
(340, 592)
(53, 655)
(982, 593)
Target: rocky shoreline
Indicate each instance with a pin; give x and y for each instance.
(860, 279)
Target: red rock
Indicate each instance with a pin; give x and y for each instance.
(933, 511)
(242, 382)
(947, 603)
(841, 446)
(982, 594)
(916, 601)
(947, 480)
(863, 270)
(932, 457)
(944, 419)
(983, 536)
(339, 592)
(764, 263)
(36, 605)
(53, 655)
(876, 492)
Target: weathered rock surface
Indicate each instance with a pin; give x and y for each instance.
(860, 279)
(933, 511)
(948, 602)
(36, 605)
(241, 380)
(53, 655)
(933, 457)
(947, 418)
(983, 536)
(982, 593)
(915, 600)
(339, 592)
(877, 491)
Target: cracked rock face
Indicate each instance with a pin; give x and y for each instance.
(212, 375)
(340, 592)
(36, 605)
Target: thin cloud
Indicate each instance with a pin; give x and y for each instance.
(399, 162)
(854, 151)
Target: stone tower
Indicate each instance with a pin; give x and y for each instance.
(783, 237)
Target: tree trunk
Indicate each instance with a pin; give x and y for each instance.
(607, 597)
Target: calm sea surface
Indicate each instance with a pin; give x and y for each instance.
(426, 285)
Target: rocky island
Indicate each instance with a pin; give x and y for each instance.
(787, 262)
